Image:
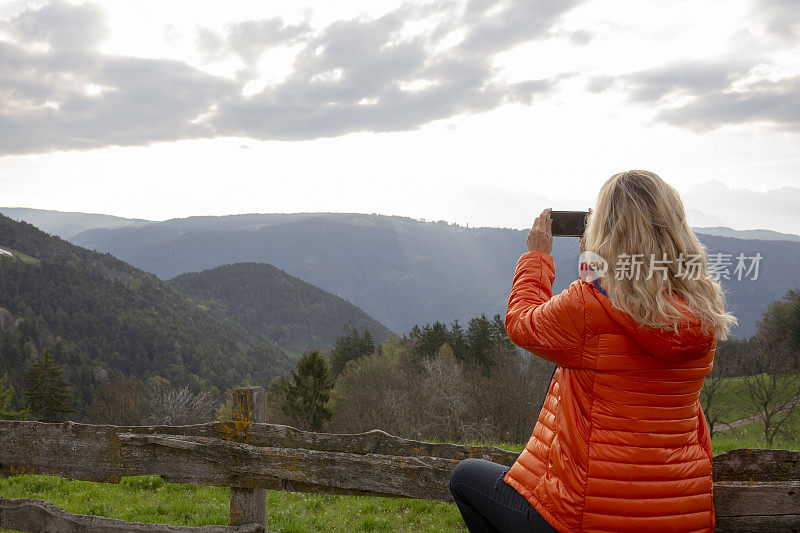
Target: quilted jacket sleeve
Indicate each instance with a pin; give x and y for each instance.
(551, 327)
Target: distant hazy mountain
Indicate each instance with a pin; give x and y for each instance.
(697, 217)
(99, 315)
(66, 224)
(402, 271)
(777, 274)
(268, 301)
(757, 234)
(775, 208)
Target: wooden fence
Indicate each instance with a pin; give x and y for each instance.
(754, 490)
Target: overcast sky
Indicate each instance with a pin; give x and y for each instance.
(479, 111)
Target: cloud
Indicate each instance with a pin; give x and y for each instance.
(782, 17)
(249, 39)
(712, 94)
(360, 75)
(679, 78)
(69, 96)
(353, 77)
(59, 92)
(516, 21)
(777, 102)
(61, 26)
(211, 46)
(581, 37)
(739, 87)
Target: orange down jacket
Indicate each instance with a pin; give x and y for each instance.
(621, 443)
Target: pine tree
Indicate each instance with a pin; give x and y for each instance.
(479, 341)
(456, 340)
(500, 338)
(349, 347)
(6, 397)
(430, 339)
(367, 344)
(308, 391)
(47, 390)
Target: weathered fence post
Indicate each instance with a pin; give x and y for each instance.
(249, 404)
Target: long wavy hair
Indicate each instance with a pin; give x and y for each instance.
(640, 219)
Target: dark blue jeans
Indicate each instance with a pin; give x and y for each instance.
(488, 503)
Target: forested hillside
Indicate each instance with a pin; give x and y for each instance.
(403, 271)
(268, 301)
(102, 317)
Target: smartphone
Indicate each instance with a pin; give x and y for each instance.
(568, 223)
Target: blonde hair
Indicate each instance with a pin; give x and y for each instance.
(639, 213)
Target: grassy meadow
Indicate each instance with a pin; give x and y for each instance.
(149, 499)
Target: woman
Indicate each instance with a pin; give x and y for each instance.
(621, 443)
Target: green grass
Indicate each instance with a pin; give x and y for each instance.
(752, 436)
(149, 499)
(139, 499)
(736, 398)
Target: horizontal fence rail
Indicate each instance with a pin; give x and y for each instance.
(754, 490)
(229, 454)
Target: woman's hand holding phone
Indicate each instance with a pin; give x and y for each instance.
(541, 235)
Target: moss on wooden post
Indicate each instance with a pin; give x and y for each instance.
(249, 506)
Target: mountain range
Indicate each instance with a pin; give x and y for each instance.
(403, 271)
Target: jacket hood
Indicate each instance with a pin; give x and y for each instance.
(689, 342)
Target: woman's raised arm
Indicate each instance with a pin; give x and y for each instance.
(550, 327)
